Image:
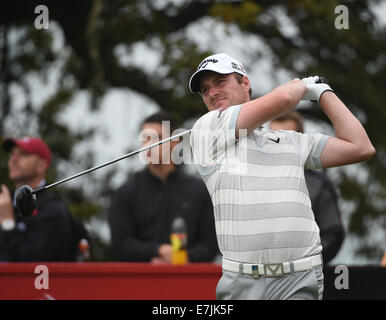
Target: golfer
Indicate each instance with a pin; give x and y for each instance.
(265, 226)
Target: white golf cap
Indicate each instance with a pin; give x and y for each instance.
(220, 63)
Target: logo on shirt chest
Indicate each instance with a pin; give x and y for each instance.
(220, 111)
(277, 140)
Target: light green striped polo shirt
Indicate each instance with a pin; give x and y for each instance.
(256, 182)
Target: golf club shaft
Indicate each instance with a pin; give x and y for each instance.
(111, 161)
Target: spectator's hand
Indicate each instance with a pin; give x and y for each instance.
(165, 253)
(314, 89)
(6, 207)
(157, 260)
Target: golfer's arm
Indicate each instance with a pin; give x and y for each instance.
(272, 105)
(351, 144)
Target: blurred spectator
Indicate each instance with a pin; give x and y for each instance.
(322, 194)
(383, 261)
(142, 209)
(51, 234)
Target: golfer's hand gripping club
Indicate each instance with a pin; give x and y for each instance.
(315, 87)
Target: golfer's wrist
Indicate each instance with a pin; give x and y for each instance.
(325, 88)
(326, 96)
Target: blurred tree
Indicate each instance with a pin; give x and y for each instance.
(304, 40)
(101, 38)
(28, 60)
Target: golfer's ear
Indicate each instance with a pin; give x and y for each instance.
(246, 83)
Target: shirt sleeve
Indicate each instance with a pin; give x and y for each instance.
(310, 146)
(316, 143)
(212, 135)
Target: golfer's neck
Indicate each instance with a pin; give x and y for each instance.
(161, 171)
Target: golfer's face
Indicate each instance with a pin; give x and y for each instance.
(223, 90)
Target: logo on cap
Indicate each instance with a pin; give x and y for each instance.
(220, 63)
(205, 62)
(238, 67)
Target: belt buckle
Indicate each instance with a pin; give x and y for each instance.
(273, 270)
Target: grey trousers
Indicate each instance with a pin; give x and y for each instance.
(304, 285)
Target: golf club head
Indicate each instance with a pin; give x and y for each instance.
(25, 201)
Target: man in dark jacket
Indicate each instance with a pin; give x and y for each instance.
(323, 197)
(143, 209)
(49, 235)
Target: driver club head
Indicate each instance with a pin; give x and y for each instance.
(25, 201)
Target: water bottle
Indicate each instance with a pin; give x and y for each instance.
(179, 240)
(83, 250)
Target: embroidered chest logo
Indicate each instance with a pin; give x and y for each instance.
(277, 140)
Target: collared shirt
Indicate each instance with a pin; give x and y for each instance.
(262, 208)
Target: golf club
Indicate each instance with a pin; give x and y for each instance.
(26, 197)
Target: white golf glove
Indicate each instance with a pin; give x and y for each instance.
(315, 88)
